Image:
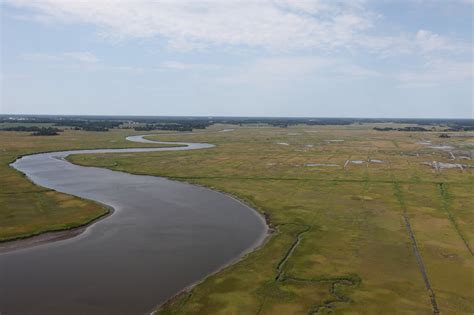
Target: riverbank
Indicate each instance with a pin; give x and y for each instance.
(50, 236)
(188, 231)
(69, 231)
(27, 209)
(342, 244)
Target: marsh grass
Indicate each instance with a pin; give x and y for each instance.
(340, 242)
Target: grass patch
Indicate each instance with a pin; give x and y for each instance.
(355, 258)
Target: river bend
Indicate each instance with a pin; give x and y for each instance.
(162, 237)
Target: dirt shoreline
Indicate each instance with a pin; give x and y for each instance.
(69, 233)
(54, 235)
(50, 236)
(261, 243)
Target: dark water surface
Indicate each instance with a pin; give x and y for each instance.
(162, 237)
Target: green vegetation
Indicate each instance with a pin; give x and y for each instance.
(37, 131)
(147, 123)
(49, 131)
(360, 224)
(89, 125)
(186, 126)
(411, 128)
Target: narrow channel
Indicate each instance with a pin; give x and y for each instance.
(162, 237)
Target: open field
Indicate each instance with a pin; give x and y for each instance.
(361, 224)
(365, 221)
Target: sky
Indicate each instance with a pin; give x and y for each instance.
(292, 58)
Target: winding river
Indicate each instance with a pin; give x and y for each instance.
(162, 237)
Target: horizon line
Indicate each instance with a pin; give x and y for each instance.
(218, 116)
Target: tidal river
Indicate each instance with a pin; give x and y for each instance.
(162, 237)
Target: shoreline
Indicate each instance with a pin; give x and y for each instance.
(231, 263)
(59, 234)
(52, 236)
(259, 245)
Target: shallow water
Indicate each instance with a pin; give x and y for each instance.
(162, 237)
(320, 164)
(442, 147)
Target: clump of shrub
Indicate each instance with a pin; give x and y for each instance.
(401, 129)
(36, 131)
(48, 131)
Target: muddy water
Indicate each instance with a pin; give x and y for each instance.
(162, 237)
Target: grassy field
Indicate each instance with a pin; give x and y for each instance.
(360, 224)
(27, 209)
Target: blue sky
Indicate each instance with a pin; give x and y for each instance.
(359, 58)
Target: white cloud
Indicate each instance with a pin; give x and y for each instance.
(304, 6)
(423, 42)
(437, 72)
(271, 24)
(82, 56)
(285, 28)
(275, 25)
(430, 42)
(270, 71)
(386, 46)
(267, 71)
(176, 65)
(356, 71)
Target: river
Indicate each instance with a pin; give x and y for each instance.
(163, 236)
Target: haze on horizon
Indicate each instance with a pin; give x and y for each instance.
(359, 58)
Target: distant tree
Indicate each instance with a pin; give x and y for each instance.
(37, 131)
(49, 131)
(383, 129)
